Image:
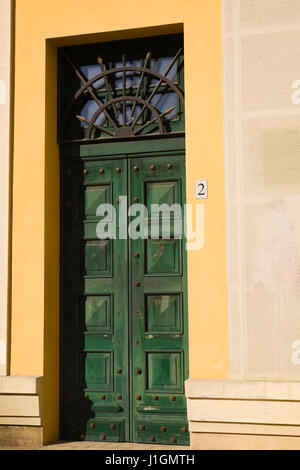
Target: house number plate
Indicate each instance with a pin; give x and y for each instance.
(201, 189)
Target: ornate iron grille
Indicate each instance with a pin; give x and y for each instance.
(125, 98)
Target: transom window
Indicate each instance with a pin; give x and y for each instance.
(121, 90)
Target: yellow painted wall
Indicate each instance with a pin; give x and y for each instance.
(41, 26)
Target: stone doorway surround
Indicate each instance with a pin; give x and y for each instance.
(21, 411)
(243, 415)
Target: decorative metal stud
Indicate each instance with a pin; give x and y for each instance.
(103, 437)
(118, 201)
(138, 397)
(92, 425)
(86, 397)
(69, 172)
(70, 370)
(136, 284)
(163, 429)
(119, 371)
(152, 439)
(69, 203)
(118, 170)
(119, 397)
(85, 172)
(102, 397)
(152, 167)
(82, 436)
(155, 398)
(138, 371)
(172, 398)
(135, 199)
(142, 428)
(136, 169)
(169, 166)
(136, 255)
(101, 171)
(112, 426)
(137, 228)
(184, 429)
(173, 440)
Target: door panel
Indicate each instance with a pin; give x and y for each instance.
(159, 319)
(124, 315)
(95, 401)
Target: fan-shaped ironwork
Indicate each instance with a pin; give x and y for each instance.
(123, 112)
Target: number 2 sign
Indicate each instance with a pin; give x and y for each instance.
(201, 189)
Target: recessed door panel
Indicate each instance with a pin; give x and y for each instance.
(163, 257)
(94, 196)
(164, 314)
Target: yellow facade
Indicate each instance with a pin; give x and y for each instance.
(41, 27)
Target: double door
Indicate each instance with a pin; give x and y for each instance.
(124, 348)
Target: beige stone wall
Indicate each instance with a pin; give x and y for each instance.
(5, 15)
(21, 401)
(241, 414)
(21, 410)
(262, 146)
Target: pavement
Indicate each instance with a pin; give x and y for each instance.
(86, 445)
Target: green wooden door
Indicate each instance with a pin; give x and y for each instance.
(124, 319)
